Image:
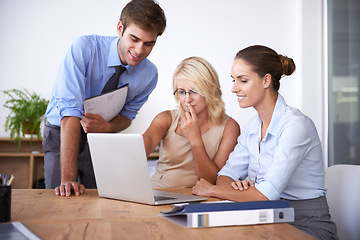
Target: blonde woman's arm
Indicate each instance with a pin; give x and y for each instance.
(156, 131)
(208, 168)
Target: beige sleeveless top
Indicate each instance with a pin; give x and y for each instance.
(175, 167)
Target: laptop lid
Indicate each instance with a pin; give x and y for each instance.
(121, 170)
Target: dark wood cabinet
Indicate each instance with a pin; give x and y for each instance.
(27, 165)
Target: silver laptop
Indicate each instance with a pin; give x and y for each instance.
(121, 170)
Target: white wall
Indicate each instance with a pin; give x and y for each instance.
(34, 34)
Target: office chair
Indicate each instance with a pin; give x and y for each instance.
(343, 196)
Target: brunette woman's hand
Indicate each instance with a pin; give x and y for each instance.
(242, 184)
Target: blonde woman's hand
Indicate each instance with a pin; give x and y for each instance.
(202, 188)
(190, 125)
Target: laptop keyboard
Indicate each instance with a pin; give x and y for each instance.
(161, 198)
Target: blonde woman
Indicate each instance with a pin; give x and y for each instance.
(196, 138)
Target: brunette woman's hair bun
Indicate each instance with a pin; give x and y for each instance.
(264, 60)
(288, 65)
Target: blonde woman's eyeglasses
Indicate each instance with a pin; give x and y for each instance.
(182, 93)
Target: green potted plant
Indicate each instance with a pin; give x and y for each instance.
(27, 110)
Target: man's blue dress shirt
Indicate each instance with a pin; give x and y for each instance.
(87, 66)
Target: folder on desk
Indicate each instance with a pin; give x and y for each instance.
(230, 214)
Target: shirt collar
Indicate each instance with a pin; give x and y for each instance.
(255, 127)
(278, 112)
(275, 122)
(114, 59)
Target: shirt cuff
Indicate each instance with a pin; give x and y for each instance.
(71, 113)
(127, 114)
(268, 190)
(223, 172)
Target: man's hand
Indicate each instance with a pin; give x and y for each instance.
(94, 123)
(70, 131)
(66, 187)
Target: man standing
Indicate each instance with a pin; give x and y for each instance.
(88, 65)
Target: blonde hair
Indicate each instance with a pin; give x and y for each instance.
(200, 75)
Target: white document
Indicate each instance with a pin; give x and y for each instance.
(107, 105)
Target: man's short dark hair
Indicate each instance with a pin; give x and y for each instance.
(147, 14)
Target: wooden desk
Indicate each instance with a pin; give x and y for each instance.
(91, 217)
